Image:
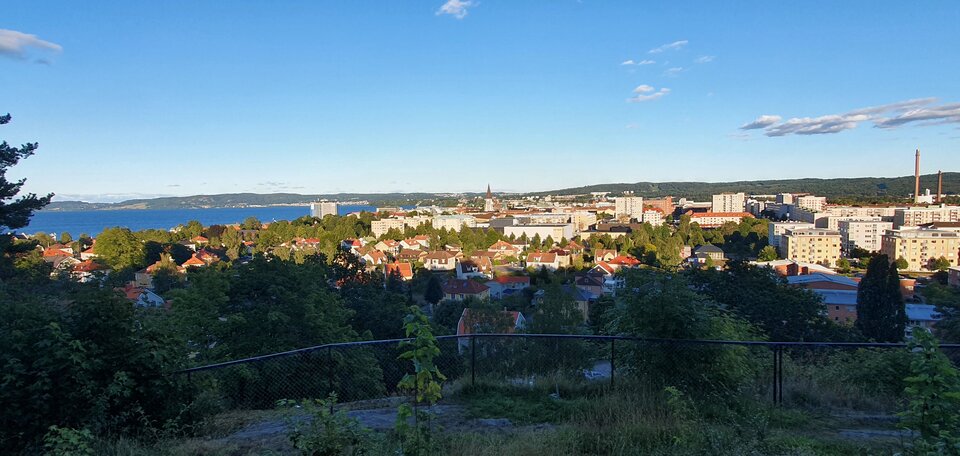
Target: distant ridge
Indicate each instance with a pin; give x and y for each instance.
(861, 187)
(857, 187)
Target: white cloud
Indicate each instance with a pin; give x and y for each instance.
(886, 116)
(647, 95)
(704, 59)
(934, 115)
(763, 121)
(642, 62)
(17, 45)
(669, 47)
(673, 71)
(456, 8)
(833, 123)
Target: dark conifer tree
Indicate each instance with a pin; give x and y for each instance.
(880, 310)
(15, 214)
(434, 292)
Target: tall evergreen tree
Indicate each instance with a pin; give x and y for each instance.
(434, 292)
(15, 214)
(880, 309)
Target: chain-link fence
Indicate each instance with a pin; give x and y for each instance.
(860, 376)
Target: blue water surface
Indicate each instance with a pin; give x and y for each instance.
(93, 222)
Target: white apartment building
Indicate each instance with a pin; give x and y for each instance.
(755, 207)
(776, 230)
(862, 234)
(556, 231)
(811, 203)
(654, 218)
(322, 209)
(914, 216)
(453, 222)
(832, 222)
(582, 220)
(729, 202)
(380, 227)
(784, 198)
(920, 247)
(812, 245)
(629, 206)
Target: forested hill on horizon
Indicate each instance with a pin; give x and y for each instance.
(857, 188)
(851, 187)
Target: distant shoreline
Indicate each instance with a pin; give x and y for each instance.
(141, 207)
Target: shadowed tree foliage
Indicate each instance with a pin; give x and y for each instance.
(881, 315)
(664, 306)
(434, 292)
(759, 295)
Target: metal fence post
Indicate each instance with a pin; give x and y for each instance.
(473, 360)
(613, 359)
(330, 374)
(780, 377)
(774, 373)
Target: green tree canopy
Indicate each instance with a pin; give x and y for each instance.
(768, 253)
(121, 249)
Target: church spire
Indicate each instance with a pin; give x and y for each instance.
(489, 195)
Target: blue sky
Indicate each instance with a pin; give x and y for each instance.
(131, 98)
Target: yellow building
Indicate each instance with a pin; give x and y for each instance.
(812, 245)
(921, 247)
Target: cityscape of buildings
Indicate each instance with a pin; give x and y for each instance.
(810, 235)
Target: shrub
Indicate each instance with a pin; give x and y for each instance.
(326, 432)
(934, 393)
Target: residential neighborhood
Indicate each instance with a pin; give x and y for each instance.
(495, 248)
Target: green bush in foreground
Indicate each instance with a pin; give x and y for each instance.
(326, 432)
(934, 393)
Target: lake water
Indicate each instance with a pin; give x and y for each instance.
(93, 222)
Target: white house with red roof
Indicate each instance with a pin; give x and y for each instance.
(142, 297)
(351, 244)
(90, 252)
(604, 255)
(404, 270)
(546, 260)
(460, 289)
(90, 270)
(373, 258)
(503, 286)
(193, 262)
(623, 261)
(440, 260)
(474, 267)
(504, 249)
(389, 246)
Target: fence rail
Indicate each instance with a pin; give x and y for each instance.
(865, 375)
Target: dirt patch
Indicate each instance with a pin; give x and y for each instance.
(447, 418)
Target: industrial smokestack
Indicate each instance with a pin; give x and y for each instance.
(916, 186)
(939, 187)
